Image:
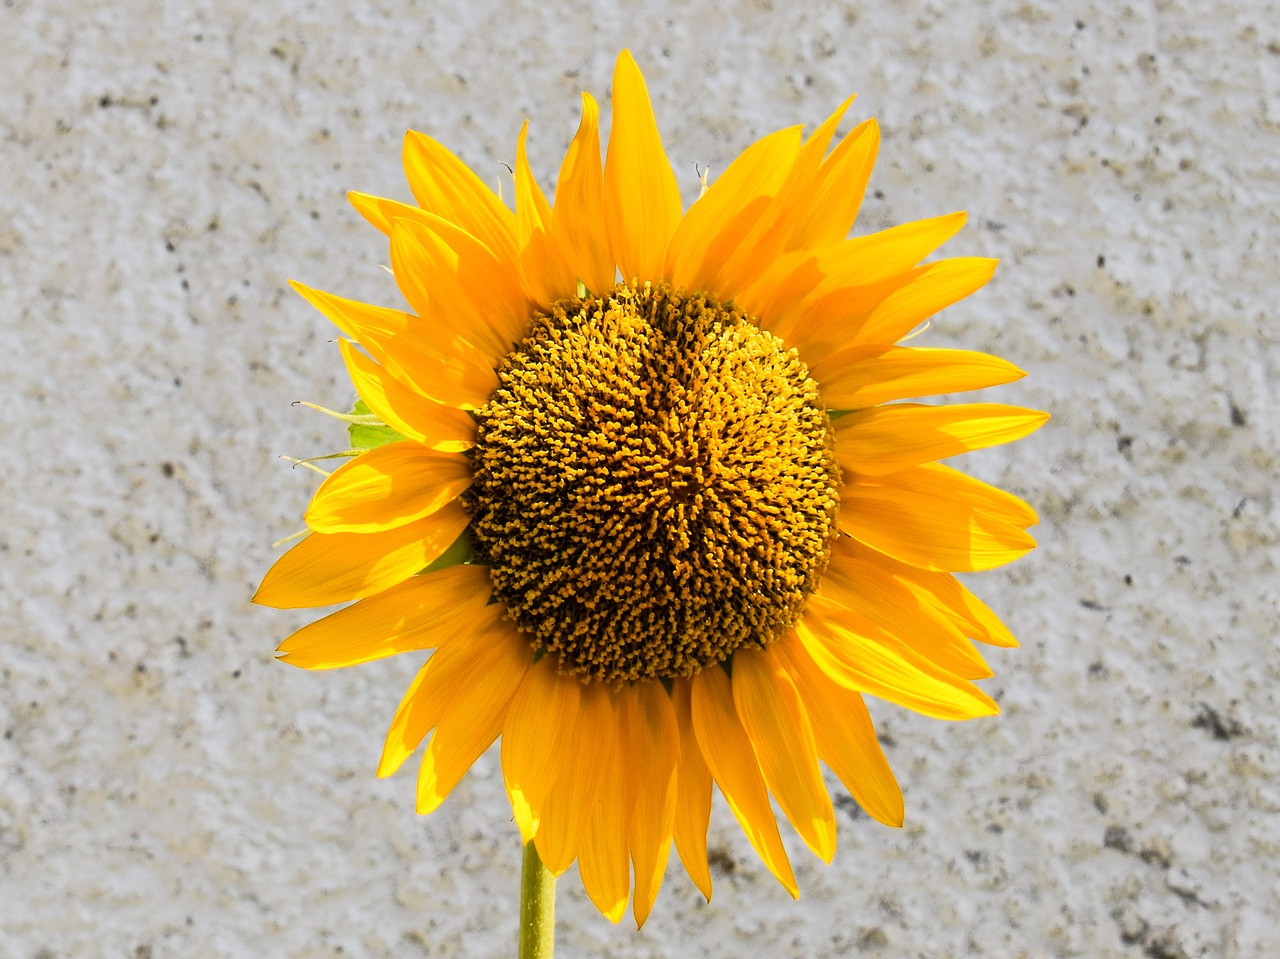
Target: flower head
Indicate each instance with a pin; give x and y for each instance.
(650, 496)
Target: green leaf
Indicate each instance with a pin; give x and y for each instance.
(369, 437)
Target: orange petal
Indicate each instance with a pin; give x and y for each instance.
(885, 439)
(420, 613)
(578, 220)
(859, 655)
(434, 425)
(651, 747)
(731, 758)
(602, 860)
(693, 794)
(444, 186)
(641, 198)
(863, 376)
(387, 487)
(327, 568)
(357, 319)
(844, 734)
(484, 682)
(537, 740)
(774, 718)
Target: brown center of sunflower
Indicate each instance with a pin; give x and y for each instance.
(655, 484)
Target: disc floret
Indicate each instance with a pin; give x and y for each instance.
(654, 484)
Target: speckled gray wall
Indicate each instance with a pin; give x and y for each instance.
(169, 790)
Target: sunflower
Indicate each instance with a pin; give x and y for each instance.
(649, 496)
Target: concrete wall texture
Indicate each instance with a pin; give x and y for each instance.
(169, 790)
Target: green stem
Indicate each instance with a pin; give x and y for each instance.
(537, 907)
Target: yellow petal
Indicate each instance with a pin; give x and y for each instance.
(547, 273)
(567, 809)
(859, 655)
(938, 479)
(774, 718)
(328, 568)
(420, 709)
(844, 734)
(868, 589)
(836, 194)
(378, 210)
(863, 376)
(785, 285)
(441, 685)
(795, 210)
(412, 415)
(641, 198)
(429, 360)
(602, 861)
(884, 254)
(820, 224)
(496, 662)
(729, 755)
(716, 223)
(357, 319)
(937, 286)
(818, 324)
(420, 613)
(383, 213)
(693, 794)
(387, 487)
(887, 310)
(779, 230)
(454, 281)
(537, 740)
(444, 186)
(885, 439)
(651, 747)
(942, 591)
(578, 220)
(452, 383)
(936, 518)
(951, 598)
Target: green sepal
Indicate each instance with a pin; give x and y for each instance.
(457, 554)
(364, 437)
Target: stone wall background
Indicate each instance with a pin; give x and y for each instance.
(169, 790)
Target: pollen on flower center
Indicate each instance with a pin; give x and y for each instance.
(654, 484)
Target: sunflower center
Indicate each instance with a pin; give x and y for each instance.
(654, 484)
